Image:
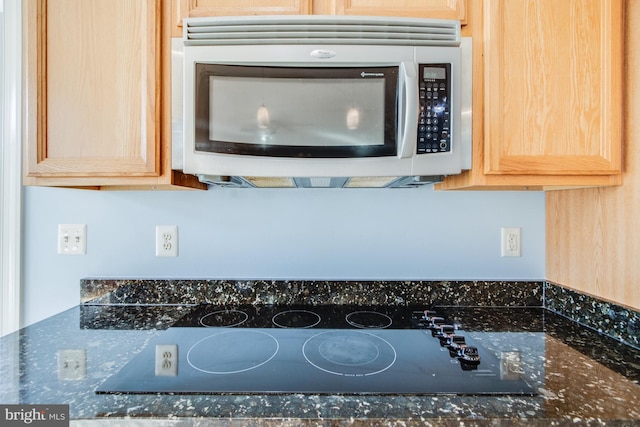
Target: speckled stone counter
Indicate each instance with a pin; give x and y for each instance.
(460, 293)
(581, 376)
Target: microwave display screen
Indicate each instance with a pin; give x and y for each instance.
(296, 112)
(434, 73)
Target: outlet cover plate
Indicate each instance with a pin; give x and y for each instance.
(167, 240)
(511, 242)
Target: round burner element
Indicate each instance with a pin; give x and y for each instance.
(233, 351)
(352, 353)
(368, 320)
(296, 319)
(224, 318)
(349, 353)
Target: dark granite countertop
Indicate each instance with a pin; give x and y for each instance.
(581, 377)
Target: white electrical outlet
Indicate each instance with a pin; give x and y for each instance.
(72, 239)
(72, 364)
(167, 240)
(511, 241)
(166, 360)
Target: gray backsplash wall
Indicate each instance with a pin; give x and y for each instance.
(277, 234)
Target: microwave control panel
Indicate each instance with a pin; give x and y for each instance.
(434, 122)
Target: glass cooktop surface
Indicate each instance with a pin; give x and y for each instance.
(317, 350)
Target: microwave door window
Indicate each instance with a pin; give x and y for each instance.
(299, 115)
(297, 112)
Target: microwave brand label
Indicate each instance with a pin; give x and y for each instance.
(323, 54)
(364, 74)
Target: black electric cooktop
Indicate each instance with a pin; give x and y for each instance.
(331, 349)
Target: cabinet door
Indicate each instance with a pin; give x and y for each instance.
(441, 9)
(197, 8)
(92, 97)
(553, 87)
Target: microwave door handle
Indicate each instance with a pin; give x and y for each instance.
(408, 117)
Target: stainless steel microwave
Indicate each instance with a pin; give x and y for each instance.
(321, 101)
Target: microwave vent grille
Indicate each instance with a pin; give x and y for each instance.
(255, 30)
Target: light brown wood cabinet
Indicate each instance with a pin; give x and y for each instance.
(439, 9)
(199, 8)
(548, 95)
(95, 87)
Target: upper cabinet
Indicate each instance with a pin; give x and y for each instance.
(94, 88)
(553, 82)
(547, 94)
(198, 8)
(94, 93)
(440, 9)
